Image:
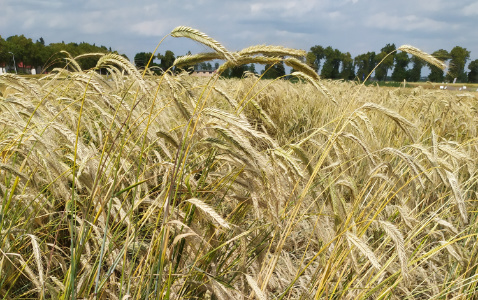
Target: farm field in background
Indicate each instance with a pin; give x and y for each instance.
(178, 187)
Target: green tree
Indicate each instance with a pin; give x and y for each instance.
(40, 53)
(387, 55)
(401, 63)
(415, 72)
(331, 67)
(22, 48)
(141, 59)
(251, 68)
(458, 58)
(310, 60)
(381, 70)
(317, 53)
(436, 74)
(235, 72)
(277, 70)
(473, 74)
(364, 64)
(167, 60)
(3, 51)
(348, 70)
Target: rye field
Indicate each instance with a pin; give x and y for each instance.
(138, 186)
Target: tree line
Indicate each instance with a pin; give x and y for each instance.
(28, 54)
(391, 65)
(386, 65)
(330, 63)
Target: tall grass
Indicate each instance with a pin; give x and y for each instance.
(136, 186)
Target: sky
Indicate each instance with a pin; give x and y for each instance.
(355, 26)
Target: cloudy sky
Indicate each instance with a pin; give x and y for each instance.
(355, 26)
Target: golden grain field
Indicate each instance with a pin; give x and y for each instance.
(137, 186)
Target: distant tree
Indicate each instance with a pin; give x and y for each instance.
(415, 72)
(187, 68)
(437, 74)
(216, 66)
(364, 64)
(348, 70)
(473, 74)
(275, 71)
(316, 55)
(387, 54)
(235, 72)
(88, 62)
(3, 51)
(167, 60)
(141, 59)
(459, 56)
(401, 63)
(40, 53)
(331, 67)
(22, 48)
(252, 68)
(381, 70)
(310, 60)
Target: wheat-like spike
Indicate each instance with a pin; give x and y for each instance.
(368, 124)
(265, 117)
(72, 61)
(423, 55)
(165, 135)
(269, 50)
(302, 156)
(397, 237)
(291, 161)
(449, 247)
(317, 84)
(197, 58)
(460, 203)
(181, 226)
(229, 99)
(20, 84)
(361, 144)
(239, 123)
(32, 276)
(447, 225)
(364, 248)
(209, 211)
(238, 140)
(403, 123)
(13, 171)
(301, 67)
(99, 54)
(434, 144)
(115, 59)
(255, 287)
(408, 160)
(196, 35)
(86, 80)
(388, 112)
(244, 60)
(37, 255)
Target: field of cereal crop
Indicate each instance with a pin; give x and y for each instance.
(176, 187)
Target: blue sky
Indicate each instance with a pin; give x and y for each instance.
(355, 26)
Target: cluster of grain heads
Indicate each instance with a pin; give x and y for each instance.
(174, 187)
